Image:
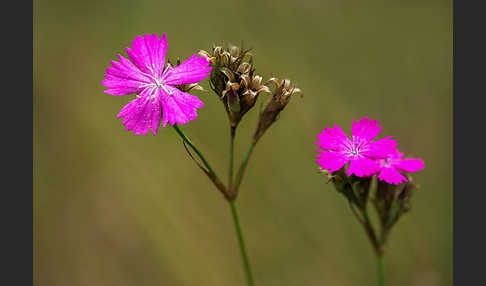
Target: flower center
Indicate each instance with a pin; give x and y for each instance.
(355, 147)
(158, 82)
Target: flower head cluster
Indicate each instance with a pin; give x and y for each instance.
(158, 99)
(233, 78)
(365, 155)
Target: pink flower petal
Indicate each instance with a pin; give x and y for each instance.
(148, 53)
(142, 113)
(365, 128)
(410, 165)
(127, 70)
(362, 167)
(178, 107)
(381, 148)
(396, 155)
(332, 139)
(123, 78)
(331, 161)
(192, 70)
(118, 86)
(391, 176)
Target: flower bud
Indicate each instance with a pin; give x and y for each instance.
(392, 201)
(232, 97)
(190, 87)
(281, 97)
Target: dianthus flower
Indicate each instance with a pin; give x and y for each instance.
(157, 94)
(390, 166)
(360, 151)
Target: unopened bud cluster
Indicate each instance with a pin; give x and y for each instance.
(234, 80)
(391, 201)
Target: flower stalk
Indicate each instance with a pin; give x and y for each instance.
(381, 278)
(234, 81)
(241, 243)
(244, 163)
(231, 157)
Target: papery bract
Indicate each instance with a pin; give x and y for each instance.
(143, 73)
(360, 151)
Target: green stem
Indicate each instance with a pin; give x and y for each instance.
(382, 237)
(242, 169)
(377, 245)
(244, 256)
(371, 233)
(231, 158)
(209, 172)
(381, 280)
(188, 141)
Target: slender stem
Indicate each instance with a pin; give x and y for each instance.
(188, 141)
(381, 280)
(382, 237)
(377, 245)
(242, 169)
(210, 172)
(353, 210)
(244, 256)
(371, 233)
(231, 158)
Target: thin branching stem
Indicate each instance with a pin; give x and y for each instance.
(231, 158)
(241, 170)
(209, 170)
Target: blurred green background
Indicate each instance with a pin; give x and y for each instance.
(117, 209)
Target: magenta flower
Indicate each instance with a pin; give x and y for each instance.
(388, 168)
(360, 151)
(157, 95)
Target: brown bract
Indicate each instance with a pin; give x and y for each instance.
(282, 93)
